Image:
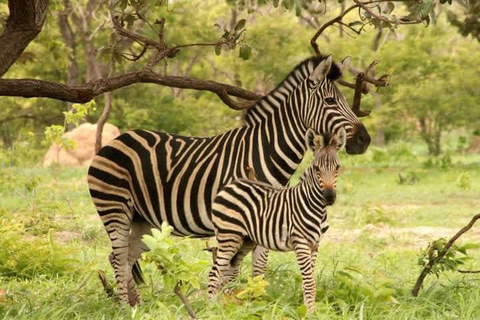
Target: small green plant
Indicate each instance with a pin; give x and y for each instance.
(463, 181)
(255, 288)
(446, 161)
(407, 178)
(375, 215)
(55, 133)
(179, 271)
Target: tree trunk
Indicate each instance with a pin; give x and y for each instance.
(24, 23)
(68, 37)
(102, 120)
(431, 136)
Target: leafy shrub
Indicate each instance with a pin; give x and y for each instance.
(168, 255)
(443, 162)
(352, 286)
(407, 178)
(463, 181)
(28, 258)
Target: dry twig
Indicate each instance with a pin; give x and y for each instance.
(178, 291)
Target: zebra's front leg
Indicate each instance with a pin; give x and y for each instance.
(259, 260)
(304, 258)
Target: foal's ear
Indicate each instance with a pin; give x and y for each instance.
(313, 140)
(345, 64)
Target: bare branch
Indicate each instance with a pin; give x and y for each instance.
(144, 41)
(468, 271)
(178, 291)
(313, 41)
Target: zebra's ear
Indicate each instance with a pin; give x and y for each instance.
(345, 64)
(321, 71)
(313, 140)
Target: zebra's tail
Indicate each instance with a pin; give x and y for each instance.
(137, 273)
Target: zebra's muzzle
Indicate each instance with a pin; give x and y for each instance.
(359, 141)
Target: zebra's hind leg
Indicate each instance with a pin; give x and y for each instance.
(304, 258)
(228, 246)
(259, 260)
(118, 229)
(135, 249)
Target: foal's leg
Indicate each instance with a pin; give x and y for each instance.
(304, 258)
(314, 256)
(228, 247)
(236, 262)
(259, 260)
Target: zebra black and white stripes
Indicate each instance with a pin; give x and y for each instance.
(246, 213)
(143, 178)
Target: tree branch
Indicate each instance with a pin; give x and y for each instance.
(359, 83)
(30, 88)
(313, 41)
(24, 23)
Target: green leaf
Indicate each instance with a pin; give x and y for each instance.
(245, 52)
(218, 49)
(389, 8)
(275, 3)
(240, 24)
(301, 311)
(355, 23)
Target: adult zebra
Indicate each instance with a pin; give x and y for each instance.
(143, 178)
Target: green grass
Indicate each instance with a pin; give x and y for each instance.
(52, 244)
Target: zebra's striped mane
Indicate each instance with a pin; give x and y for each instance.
(308, 65)
(297, 75)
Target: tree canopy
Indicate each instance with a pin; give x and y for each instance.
(78, 50)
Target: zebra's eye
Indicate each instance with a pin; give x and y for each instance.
(338, 167)
(330, 100)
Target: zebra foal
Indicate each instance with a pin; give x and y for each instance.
(246, 213)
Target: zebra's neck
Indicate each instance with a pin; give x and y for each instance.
(276, 119)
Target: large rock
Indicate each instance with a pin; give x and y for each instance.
(84, 137)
